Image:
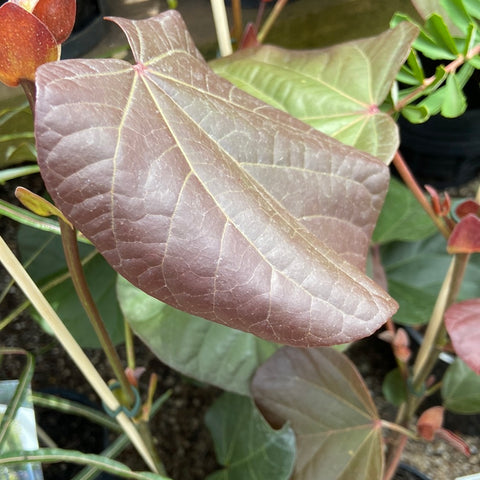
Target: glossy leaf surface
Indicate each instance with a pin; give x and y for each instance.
(461, 389)
(58, 16)
(337, 90)
(244, 442)
(203, 350)
(323, 398)
(462, 321)
(25, 43)
(465, 237)
(155, 164)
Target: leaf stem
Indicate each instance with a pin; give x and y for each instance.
(221, 27)
(412, 184)
(450, 68)
(70, 247)
(429, 349)
(30, 289)
(237, 20)
(278, 7)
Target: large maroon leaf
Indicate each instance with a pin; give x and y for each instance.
(145, 160)
(321, 395)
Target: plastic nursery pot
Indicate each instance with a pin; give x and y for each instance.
(88, 30)
(71, 432)
(407, 472)
(443, 152)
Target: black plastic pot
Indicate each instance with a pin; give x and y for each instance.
(88, 30)
(407, 472)
(443, 152)
(71, 432)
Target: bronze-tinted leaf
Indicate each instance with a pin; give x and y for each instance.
(25, 43)
(321, 395)
(58, 16)
(146, 160)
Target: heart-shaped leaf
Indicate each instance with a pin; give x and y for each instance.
(244, 442)
(144, 160)
(337, 90)
(463, 325)
(203, 350)
(324, 399)
(465, 237)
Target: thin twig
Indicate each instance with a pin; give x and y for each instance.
(278, 7)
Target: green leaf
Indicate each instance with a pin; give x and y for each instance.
(426, 7)
(470, 38)
(323, 398)
(101, 279)
(245, 444)
(473, 7)
(415, 271)
(54, 455)
(461, 389)
(438, 30)
(416, 113)
(337, 90)
(393, 387)
(455, 102)
(458, 14)
(402, 218)
(17, 143)
(200, 349)
(416, 66)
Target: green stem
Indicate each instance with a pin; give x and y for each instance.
(278, 7)
(450, 68)
(435, 333)
(70, 247)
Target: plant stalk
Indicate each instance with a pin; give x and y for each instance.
(221, 27)
(30, 289)
(237, 20)
(435, 333)
(278, 7)
(70, 247)
(412, 184)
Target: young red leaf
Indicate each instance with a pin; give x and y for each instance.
(249, 37)
(430, 422)
(466, 207)
(58, 16)
(462, 321)
(25, 44)
(193, 190)
(465, 237)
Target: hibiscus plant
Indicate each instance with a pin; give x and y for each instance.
(240, 217)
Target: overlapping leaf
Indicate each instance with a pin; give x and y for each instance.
(323, 398)
(166, 167)
(245, 444)
(203, 350)
(337, 90)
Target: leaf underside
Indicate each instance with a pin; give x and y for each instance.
(334, 418)
(195, 191)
